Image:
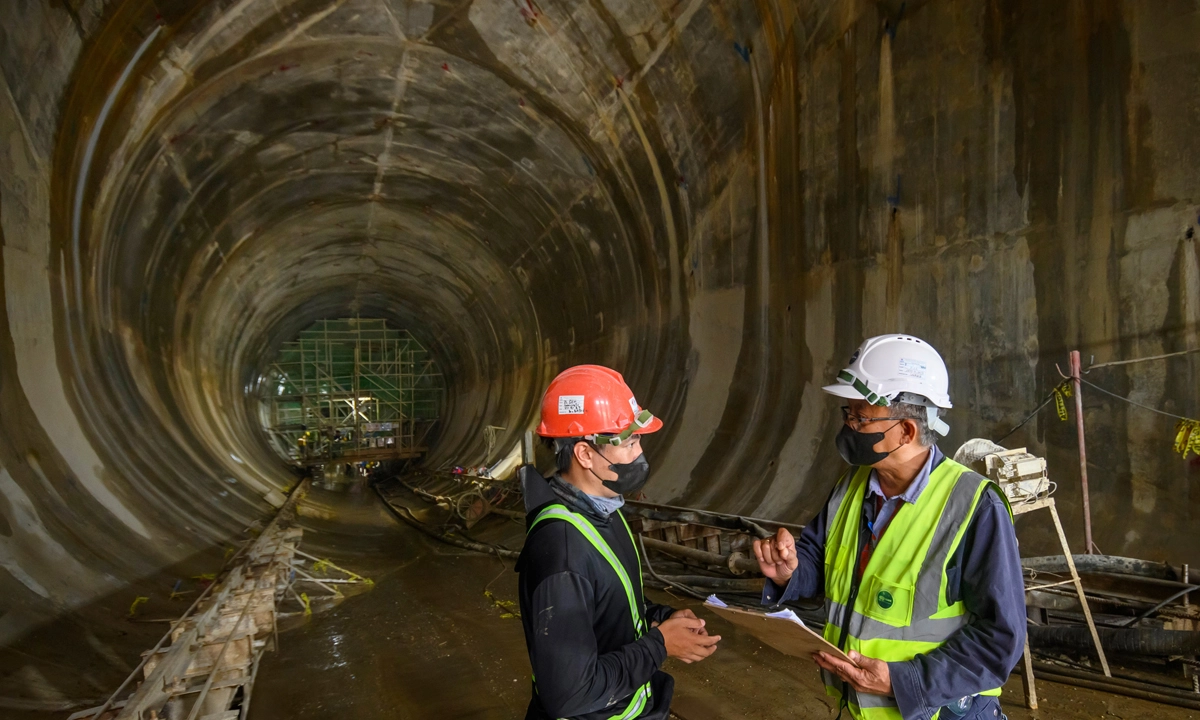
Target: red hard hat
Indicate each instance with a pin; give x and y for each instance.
(591, 400)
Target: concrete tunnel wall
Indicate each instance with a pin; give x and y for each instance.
(529, 185)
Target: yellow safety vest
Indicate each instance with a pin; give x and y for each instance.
(900, 608)
(641, 698)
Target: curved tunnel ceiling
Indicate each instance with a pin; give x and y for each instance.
(491, 176)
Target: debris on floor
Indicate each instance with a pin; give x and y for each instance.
(206, 664)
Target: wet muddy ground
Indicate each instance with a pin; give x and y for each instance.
(76, 659)
(427, 642)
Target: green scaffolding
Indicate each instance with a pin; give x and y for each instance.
(352, 390)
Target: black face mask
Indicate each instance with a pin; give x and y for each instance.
(858, 448)
(631, 476)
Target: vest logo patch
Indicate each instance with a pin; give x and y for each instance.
(884, 599)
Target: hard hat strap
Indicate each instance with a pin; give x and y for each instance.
(935, 423)
(869, 395)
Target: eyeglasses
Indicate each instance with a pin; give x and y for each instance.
(857, 421)
(614, 440)
(642, 420)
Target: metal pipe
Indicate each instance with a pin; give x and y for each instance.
(244, 711)
(310, 578)
(1112, 597)
(669, 513)
(1083, 478)
(718, 583)
(1108, 686)
(678, 586)
(316, 559)
(737, 563)
(212, 675)
(1123, 681)
(1143, 580)
(514, 514)
(300, 489)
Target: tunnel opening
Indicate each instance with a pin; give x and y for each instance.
(351, 391)
(215, 210)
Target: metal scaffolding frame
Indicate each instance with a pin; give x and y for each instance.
(350, 390)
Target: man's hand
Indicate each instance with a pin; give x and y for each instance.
(777, 556)
(871, 675)
(685, 613)
(685, 637)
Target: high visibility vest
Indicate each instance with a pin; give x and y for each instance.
(641, 698)
(900, 608)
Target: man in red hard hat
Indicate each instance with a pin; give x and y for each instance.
(595, 644)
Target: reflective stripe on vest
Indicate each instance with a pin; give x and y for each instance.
(901, 609)
(560, 512)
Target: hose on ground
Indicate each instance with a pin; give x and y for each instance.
(486, 548)
(1135, 641)
(1124, 681)
(1104, 684)
(1101, 564)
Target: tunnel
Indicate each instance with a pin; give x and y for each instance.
(719, 199)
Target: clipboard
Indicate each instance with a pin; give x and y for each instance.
(783, 631)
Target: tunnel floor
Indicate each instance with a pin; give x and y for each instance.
(427, 642)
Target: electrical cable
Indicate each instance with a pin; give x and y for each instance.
(1139, 360)
(1094, 386)
(1161, 605)
(1131, 402)
(1028, 417)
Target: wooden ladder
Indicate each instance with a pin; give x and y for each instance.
(1027, 676)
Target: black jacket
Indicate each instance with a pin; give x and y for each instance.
(586, 657)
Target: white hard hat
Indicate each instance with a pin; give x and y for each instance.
(897, 368)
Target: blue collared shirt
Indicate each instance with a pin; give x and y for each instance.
(891, 505)
(984, 573)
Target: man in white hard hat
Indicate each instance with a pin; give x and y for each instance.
(914, 553)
